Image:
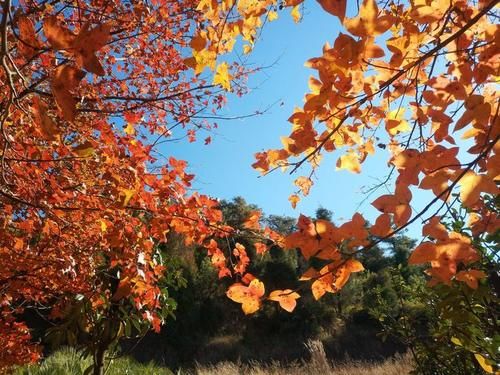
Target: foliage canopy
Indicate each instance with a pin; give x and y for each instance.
(85, 201)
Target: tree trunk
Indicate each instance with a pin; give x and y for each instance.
(99, 359)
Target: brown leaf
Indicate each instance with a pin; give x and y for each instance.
(28, 42)
(87, 43)
(335, 7)
(66, 78)
(59, 37)
(47, 127)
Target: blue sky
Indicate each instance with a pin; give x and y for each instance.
(223, 168)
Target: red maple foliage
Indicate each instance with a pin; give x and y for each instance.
(90, 90)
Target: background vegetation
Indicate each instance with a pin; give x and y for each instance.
(386, 310)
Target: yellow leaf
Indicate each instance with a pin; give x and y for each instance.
(201, 60)
(296, 14)
(104, 226)
(247, 48)
(129, 129)
(128, 194)
(395, 123)
(237, 292)
(294, 199)
(84, 150)
(222, 76)
(250, 305)
(456, 341)
(272, 16)
(349, 161)
(256, 288)
(304, 183)
(482, 362)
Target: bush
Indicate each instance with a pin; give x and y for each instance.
(68, 361)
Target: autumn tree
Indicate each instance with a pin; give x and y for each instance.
(90, 89)
(416, 81)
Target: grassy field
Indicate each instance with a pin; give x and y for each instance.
(69, 362)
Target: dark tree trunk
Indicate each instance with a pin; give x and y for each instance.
(99, 359)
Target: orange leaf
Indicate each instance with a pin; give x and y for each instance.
(59, 37)
(335, 7)
(66, 78)
(336, 275)
(247, 278)
(423, 253)
(260, 248)
(319, 288)
(382, 226)
(28, 43)
(472, 185)
(198, 42)
(239, 252)
(83, 46)
(123, 290)
(47, 126)
(435, 229)
(252, 222)
(286, 298)
(342, 273)
(470, 277)
(355, 228)
(317, 238)
(87, 43)
(367, 22)
(397, 204)
(249, 296)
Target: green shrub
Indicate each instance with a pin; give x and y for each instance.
(68, 361)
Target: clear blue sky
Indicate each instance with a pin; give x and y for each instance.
(223, 168)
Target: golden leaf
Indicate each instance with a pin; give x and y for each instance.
(222, 76)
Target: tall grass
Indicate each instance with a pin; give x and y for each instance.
(69, 362)
(317, 365)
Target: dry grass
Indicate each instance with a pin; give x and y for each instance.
(70, 362)
(317, 365)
